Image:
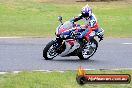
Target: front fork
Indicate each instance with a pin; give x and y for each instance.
(59, 45)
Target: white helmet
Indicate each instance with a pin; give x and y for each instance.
(86, 11)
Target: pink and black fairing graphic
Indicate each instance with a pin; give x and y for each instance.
(63, 31)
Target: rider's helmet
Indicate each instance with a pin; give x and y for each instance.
(86, 11)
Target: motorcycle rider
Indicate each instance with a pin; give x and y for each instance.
(91, 25)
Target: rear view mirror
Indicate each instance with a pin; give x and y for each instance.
(60, 18)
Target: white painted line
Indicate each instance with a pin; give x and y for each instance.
(127, 43)
(15, 72)
(1, 73)
(42, 70)
(62, 71)
(90, 69)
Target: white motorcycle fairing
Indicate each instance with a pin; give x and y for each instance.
(71, 45)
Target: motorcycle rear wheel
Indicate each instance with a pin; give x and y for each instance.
(81, 56)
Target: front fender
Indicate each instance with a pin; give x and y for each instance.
(59, 45)
(54, 40)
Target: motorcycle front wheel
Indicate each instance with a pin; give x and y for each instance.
(49, 51)
(88, 50)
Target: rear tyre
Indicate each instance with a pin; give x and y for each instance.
(89, 51)
(49, 52)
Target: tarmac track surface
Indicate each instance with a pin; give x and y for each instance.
(27, 54)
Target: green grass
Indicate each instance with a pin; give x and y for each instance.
(36, 18)
(56, 80)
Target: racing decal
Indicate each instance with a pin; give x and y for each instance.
(62, 30)
(70, 41)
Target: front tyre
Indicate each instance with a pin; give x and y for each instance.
(49, 51)
(88, 50)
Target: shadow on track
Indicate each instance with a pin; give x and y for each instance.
(75, 60)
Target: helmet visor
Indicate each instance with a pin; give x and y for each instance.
(85, 14)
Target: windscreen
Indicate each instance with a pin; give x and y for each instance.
(67, 25)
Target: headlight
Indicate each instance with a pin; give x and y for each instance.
(64, 36)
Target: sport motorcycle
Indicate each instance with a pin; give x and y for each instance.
(66, 42)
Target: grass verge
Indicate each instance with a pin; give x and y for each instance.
(39, 17)
(56, 80)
